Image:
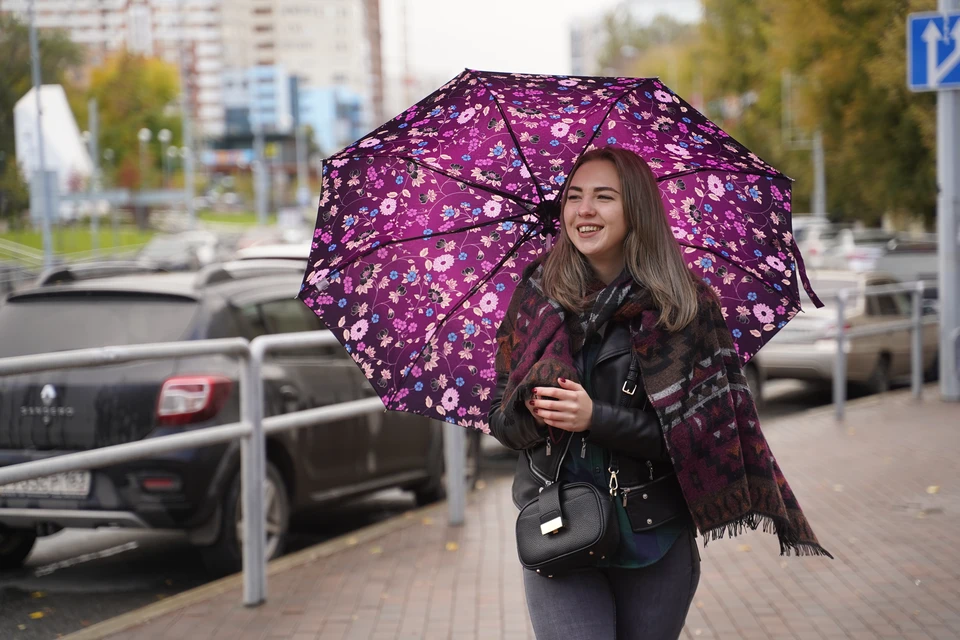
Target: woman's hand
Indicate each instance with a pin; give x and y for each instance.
(569, 407)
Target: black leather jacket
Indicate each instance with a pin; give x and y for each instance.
(631, 431)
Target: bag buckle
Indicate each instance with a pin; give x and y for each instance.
(551, 526)
(631, 391)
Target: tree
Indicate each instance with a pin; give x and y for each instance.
(850, 57)
(849, 60)
(133, 92)
(58, 58)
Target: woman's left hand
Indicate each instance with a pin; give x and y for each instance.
(570, 408)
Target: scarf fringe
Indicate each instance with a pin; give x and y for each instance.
(754, 521)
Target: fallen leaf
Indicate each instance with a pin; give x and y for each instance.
(38, 594)
(36, 615)
(427, 521)
(480, 485)
(452, 546)
(352, 540)
(161, 596)
(376, 550)
(921, 515)
(932, 489)
(85, 623)
(22, 627)
(745, 547)
(700, 604)
(168, 582)
(838, 488)
(852, 431)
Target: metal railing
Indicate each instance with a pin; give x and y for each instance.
(915, 325)
(252, 429)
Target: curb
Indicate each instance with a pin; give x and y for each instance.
(194, 596)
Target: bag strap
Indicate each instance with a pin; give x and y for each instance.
(551, 516)
(629, 388)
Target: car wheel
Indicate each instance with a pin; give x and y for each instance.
(435, 489)
(752, 374)
(880, 378)
(226, 554)
(15, 546)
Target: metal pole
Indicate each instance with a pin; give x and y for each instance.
(303, 187)
(259, 175)
(819, 178)
(189, 187)
(840, 362)
(252, 484)
(47, 217)
(948, 209)
(916, 349)
(454, 455)
(93, 126)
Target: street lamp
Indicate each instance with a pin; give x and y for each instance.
(169, 158)
(143, 136)
(164, 138)
(108, 159)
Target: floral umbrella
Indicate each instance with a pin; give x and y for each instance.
(426, 224)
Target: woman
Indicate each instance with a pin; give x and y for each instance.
(615, 367)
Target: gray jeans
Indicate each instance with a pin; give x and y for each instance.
(617, 604)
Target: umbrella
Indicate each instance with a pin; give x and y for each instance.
(426, 224)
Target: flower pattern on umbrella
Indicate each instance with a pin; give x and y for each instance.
(426, 224)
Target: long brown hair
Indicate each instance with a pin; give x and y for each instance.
(651, 254)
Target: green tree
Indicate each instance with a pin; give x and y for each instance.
(133, 92)
(849, 57)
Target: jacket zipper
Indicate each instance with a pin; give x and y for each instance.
(547, 482)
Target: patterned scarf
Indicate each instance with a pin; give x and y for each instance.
(729, 477)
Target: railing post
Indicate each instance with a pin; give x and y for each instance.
(253, 469)
(454, 453)
(916, 336)
(840, 362)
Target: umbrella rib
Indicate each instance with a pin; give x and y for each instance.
(513, 136)
(726, 259)
(525, 237)
(517, 217)
(496, 192)
(613, 103)
(752, 172)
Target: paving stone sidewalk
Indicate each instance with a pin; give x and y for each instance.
(882, 492)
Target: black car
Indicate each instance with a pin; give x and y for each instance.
(195, 490)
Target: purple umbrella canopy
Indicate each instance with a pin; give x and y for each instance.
(426, 224)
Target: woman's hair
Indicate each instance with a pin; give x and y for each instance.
(651, 253)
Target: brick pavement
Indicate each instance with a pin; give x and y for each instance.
(882, 492)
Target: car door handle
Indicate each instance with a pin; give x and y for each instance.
(291, 398)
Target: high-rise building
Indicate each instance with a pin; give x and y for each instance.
(333, 43)
(186, 33)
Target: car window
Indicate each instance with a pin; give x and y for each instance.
(886, 305)
(252, 321)
(50, 323)
(288, 315)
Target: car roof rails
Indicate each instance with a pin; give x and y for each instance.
(243, 269)
(73, 272)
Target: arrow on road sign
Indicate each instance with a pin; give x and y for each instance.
(932, 36)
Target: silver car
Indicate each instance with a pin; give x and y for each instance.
(806, 347)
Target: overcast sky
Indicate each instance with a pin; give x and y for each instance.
(531, 36)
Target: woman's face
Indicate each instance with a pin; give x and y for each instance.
(593, 216)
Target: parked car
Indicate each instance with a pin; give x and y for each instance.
(185, 251)
(806, 347)
(195, 490)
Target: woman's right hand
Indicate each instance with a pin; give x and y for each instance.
(538, 419)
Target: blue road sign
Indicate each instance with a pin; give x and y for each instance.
(933, 51)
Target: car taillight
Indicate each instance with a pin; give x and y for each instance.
(190, 399)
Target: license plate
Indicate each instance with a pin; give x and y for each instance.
(73, 484)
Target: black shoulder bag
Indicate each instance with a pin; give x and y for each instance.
(571, 526)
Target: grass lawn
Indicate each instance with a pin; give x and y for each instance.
(74, 239)
(241, 219)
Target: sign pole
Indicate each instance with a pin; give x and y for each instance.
(948, 209)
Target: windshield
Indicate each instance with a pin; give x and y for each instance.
(58, 323)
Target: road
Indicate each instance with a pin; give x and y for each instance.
(76, 578)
